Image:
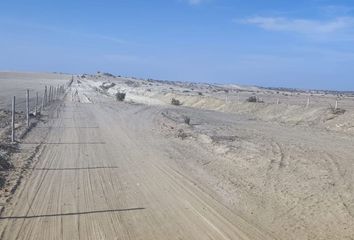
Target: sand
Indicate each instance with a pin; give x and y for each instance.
(101, 169)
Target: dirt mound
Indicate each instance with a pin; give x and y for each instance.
(294, 115)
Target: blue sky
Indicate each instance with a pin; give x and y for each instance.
(304, 44)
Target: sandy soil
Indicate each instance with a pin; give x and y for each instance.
(102, 169)
(102, 173)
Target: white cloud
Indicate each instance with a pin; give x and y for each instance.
(303, 26)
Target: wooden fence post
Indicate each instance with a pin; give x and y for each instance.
(13, 120)
(43, 99)
(50, 93)
(45, 96)
(48, 99)
(36, 107)
(27, 107)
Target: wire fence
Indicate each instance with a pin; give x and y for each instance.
(32, 104)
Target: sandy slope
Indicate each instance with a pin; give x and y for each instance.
(296, 182)
(102, 173)
(291, 111)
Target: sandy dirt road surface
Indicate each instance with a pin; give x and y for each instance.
(103, 172)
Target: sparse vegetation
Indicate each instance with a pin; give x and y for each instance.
(187, 120)
(252, 99)
(337, 111)
(132, 83)
(108, 74)
(120, 96)
(175, 102)
(181, 134)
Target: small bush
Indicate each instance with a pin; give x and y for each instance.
(187, 120)
(200, 93)
(120, 96)
(175, 102)
(337, 111)
(181, 134)
(252, 99)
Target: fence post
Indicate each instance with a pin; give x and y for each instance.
(27, 107)
(336, 107)
(45, 96)
(13, 120)
(50, 93)
(42, 108)
(36, 108)
(48, 98)
(277, 101)
(308, 102)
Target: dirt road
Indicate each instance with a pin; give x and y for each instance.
(102, 172)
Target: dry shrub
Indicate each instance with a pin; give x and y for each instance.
(187, 120)
(252, 99)
(337, 111)
(120, 96)
(175, 102)
(182, 134)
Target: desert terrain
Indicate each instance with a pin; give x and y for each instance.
(213, 165)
